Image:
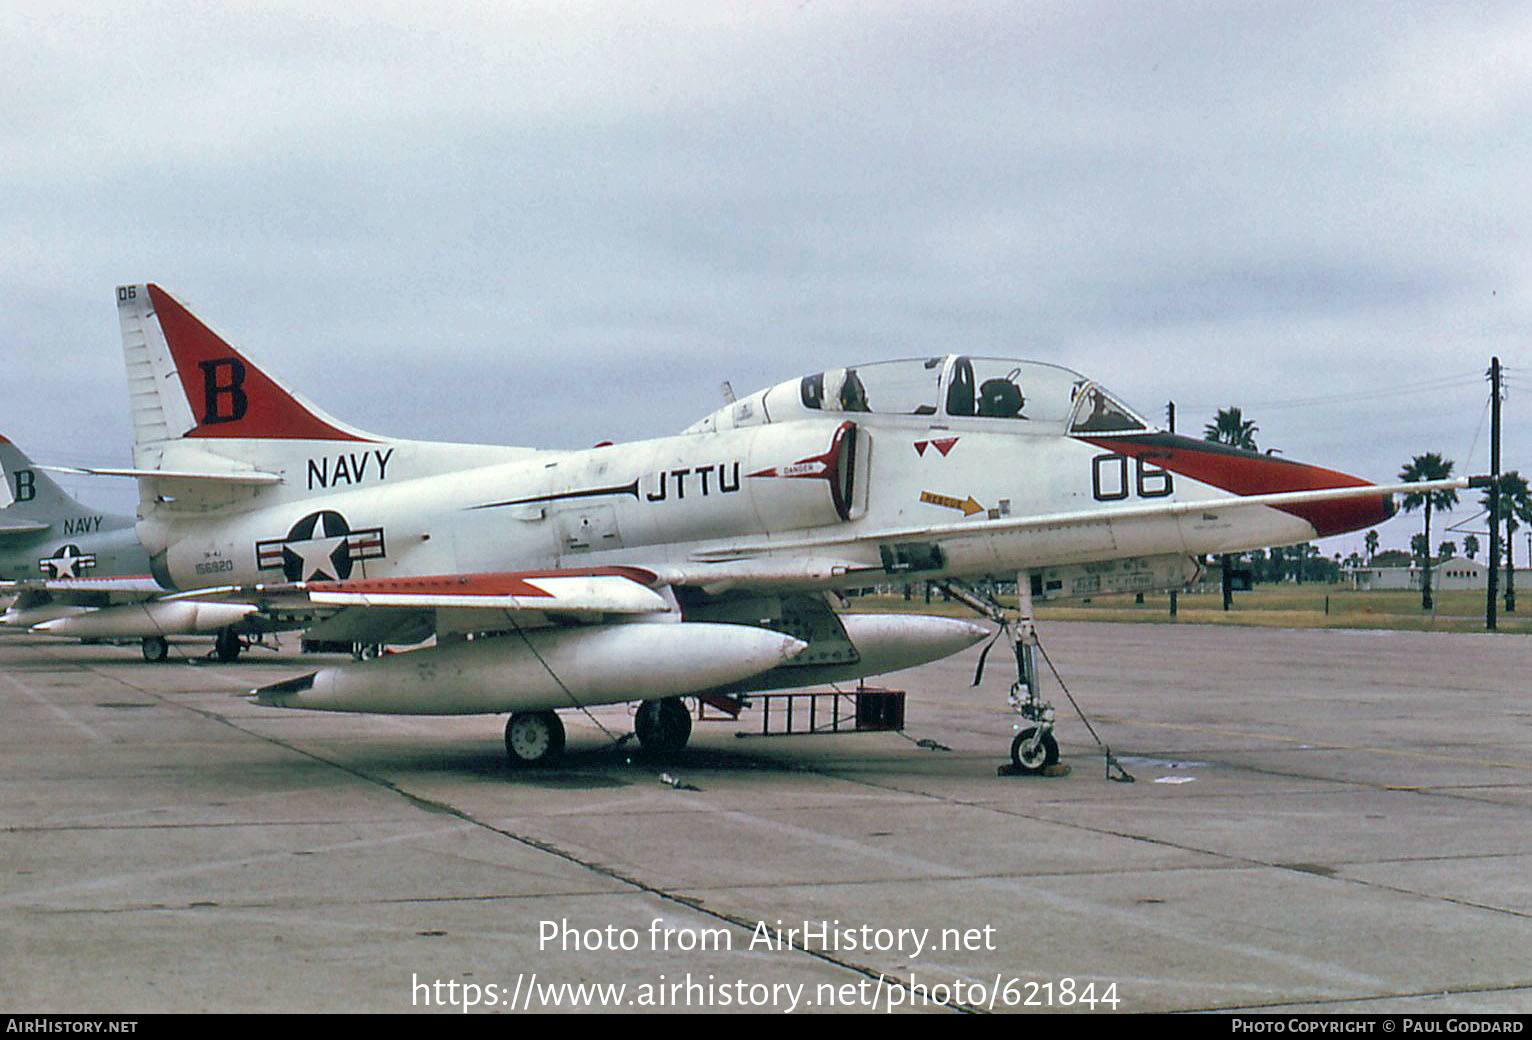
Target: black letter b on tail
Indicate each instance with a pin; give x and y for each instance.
(223, 392)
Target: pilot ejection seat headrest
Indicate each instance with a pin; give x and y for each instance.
(1000, 398)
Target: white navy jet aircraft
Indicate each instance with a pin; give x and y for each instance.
(74, 570)
(693, 564)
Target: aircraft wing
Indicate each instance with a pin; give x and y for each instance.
(580, 592)
(407, 610)
(980, 526)
(113, 608)
(86, 592)
(377, 610)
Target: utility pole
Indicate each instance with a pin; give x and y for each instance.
(1170, 415)
(1494, 492)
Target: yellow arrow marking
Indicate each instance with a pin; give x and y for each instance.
(969, 507)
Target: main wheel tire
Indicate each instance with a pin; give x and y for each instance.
(156, 649)
(226, 645)
(1034, 760)
(663, 726)
(534, 738)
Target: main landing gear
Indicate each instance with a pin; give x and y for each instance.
(536, 738)
(227, 645)
(664, 726)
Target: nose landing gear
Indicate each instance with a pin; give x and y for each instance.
(1034, 750)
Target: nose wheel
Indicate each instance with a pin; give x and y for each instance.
(1034, 750)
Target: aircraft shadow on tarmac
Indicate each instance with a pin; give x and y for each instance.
(606, 765)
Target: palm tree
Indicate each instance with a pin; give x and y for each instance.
(1429, 466)
(1521, 508)
(1515, 504)
(1231, 428)
(1470, 547)
(1371, 541)
(1420, 550)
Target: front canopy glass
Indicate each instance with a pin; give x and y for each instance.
(963, 387)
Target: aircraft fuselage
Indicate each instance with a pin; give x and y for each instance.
(864, 486)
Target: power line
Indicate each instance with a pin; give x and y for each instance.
(1430, 386)
(1478, 430)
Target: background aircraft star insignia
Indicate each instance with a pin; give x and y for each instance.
(68, 562)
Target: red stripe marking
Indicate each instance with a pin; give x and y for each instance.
(507, 583)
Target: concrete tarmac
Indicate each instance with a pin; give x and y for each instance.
(1322, 821)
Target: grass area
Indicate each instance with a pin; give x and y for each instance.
(1276, 606)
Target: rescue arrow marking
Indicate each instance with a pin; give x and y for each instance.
(969, 507)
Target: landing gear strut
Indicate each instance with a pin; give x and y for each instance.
(663, 726)
(1034, 749)
(534, 738)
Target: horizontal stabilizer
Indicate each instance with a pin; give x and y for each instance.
(250, 478)
(21, 528)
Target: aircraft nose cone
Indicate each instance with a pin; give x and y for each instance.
(1248, 473)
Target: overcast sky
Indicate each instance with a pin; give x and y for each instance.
(559, 223)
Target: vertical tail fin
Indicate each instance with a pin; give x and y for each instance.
(185, 381)
(30, 497)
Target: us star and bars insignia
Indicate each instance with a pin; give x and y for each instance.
(321, 546)
(68, 562)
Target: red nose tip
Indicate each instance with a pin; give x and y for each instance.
(1351, 514)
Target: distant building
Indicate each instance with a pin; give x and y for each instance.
(1457, 573)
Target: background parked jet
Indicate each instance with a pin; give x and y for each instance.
(686, 564)
(78, 571)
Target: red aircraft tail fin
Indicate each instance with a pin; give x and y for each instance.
(187, 381)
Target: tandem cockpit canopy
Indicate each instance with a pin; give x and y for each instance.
(1030, 395)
